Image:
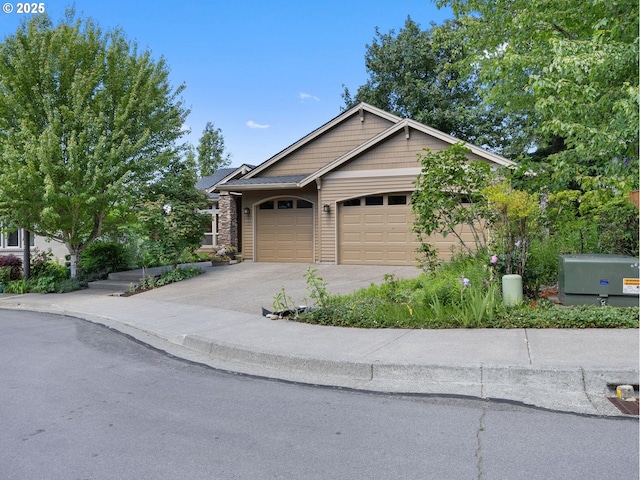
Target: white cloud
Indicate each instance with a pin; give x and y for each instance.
(308, 96)
(252, 124)
(185, 128)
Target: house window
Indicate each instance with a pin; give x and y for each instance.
(304, 204)
(397, 200)
(374, 201)
(285, 204)
(13, 239)
(208, 236)
(354, 202)
(266, 206)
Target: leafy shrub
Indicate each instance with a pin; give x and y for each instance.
(70, 285)
(169, 276)
(17, 286)
(43, 264)
(14, 263)
(178, 274)
(440, 299)
(189, 257)
(46, 273)
(42, 284)
(5, 275)
(104, 257)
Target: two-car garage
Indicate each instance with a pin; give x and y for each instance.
(371, 230)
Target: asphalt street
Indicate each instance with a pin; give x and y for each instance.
(82, 401)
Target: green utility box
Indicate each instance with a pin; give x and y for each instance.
(599, 280)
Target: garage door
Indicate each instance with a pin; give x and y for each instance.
(376, 230)
(284, 231)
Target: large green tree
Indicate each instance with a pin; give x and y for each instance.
(86, 120)
(425, 75)
(211, 151)
(571, 67)
(169, 220)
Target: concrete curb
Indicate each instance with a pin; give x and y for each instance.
(567, 389)
(575, 390)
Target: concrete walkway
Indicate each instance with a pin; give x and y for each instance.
(215, 319)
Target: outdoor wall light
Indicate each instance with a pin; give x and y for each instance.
(247, 210)
(326, 208)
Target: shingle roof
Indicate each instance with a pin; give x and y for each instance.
(268, 180)
(209, 181)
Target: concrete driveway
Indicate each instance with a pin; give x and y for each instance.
(247, 286)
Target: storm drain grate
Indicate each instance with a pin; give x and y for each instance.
(628, 407)
(624, 397)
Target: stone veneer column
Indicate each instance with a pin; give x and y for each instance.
(227, 220)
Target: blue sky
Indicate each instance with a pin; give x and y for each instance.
(265, 72)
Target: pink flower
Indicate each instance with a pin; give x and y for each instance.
(494, 259)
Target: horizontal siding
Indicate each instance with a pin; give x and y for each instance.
(336, 190)
(399, 152)
(326, 148)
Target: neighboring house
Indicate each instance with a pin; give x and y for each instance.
(11, 243)
(220, 231)
(339, 195)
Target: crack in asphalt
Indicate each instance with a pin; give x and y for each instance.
(481, 428)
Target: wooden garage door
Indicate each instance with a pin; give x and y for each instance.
(376, 230)
(284, 231)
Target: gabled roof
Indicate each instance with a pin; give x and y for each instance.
(205, 183)
(253, 181)
(393, 130)
(360, 109)
(221, 175)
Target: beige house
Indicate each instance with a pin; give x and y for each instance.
(12, 243)
(341, 194)
(223, 220)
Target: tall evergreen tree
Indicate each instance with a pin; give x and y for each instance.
(418, 74)
(211, 151)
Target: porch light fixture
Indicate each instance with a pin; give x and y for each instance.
(326, 208)
(247, 210)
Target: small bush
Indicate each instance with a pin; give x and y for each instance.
(178, 274)
(5, 275)
(70, 285)
(43, 264)
(16, 286)
(14, 263)
(169, 276)
(105, 258)
(46, 273)
(42, 284)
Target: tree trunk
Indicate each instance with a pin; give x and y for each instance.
(26, 254)
(74, 261)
